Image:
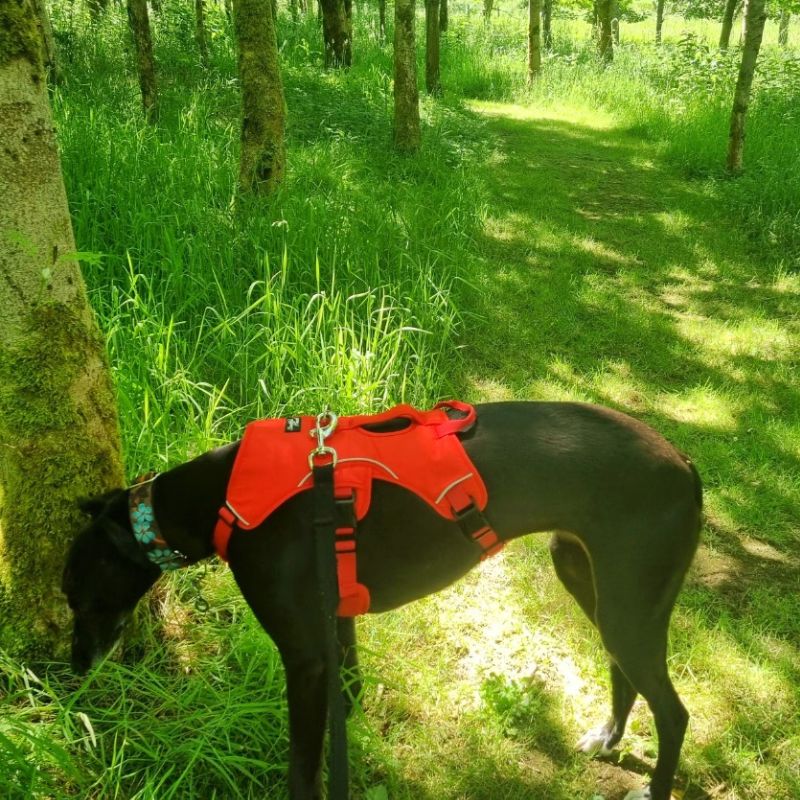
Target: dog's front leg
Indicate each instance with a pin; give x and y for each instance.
(306, 690)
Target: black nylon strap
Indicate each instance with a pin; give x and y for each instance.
(325, 518)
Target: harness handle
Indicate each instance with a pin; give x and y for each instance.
(443, 426)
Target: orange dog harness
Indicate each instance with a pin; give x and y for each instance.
(413, 449)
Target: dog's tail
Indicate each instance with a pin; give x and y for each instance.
(698, 482)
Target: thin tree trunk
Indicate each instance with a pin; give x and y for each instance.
(406, 95)
(534, 38)
(294, 9)
(263, 157)
(659, 19)
(783, 28)
(143, 49)
(605, 43)
(547, 24)
(337, 33)
(433, 82)
(727, 23)
(382, 19)
(96, 9)
(201, 33)
(59, 437)
(615, 21)
(741, 99)
(488, 5)
(444, 20)
(48, 42)
(745, 24)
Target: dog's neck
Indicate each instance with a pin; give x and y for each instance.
(186, 500)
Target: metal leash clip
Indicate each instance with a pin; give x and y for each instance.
(326, 425)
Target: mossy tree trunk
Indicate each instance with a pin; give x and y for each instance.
(534, 38)
(139, 21)
(547, 24)
(263, 156)
(433, 82)
(59, 437)
(659, 19)
(745, 21)
(605, 41)
(615, 14)
(727, 23)
(337, 32)
(488, 7)
(200, 30)
(48, 41)
(406, 96)
(444, 20)
(757, 16)
(783, 27)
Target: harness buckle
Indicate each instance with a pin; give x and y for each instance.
(326, 425)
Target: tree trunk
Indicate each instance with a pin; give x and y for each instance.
(201, 33)
(741, 99)
(615, 21)
(745, 24)
(406, 95)
(534, 38)
(58, 423)
(443, 16)
(433, 82)
(783, 28)
(48, 42)
(727, 23)
(143, 48)
(547, 23)
(488, 5)
(659, 19)
(96, 9)
(294, 8)
(605, 43)
(337, 33)
(382, 19)
(263, 157)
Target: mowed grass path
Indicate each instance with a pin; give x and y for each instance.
(607, 277)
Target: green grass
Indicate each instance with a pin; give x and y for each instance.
(578, 241)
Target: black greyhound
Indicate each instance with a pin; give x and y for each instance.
(625, 506)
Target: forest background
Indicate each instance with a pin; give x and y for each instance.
(577, 237)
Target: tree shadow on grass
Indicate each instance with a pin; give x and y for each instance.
(609, 279)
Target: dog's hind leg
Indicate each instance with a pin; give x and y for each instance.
(633, 610)
(574, 570)
(351, 672)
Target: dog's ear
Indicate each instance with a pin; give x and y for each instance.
(95, 506)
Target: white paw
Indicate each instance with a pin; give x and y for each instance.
(639, 794)
(594, 743)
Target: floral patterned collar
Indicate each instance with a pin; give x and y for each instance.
(145, 527)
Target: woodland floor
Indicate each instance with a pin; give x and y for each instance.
(609, 277)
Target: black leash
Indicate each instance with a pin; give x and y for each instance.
(324, 536)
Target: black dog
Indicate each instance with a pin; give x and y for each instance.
(625, 506)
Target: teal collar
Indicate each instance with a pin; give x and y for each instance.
(146, 530)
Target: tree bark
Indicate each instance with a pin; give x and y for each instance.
(605, 43)
(59, 437)
(615, 21)
(783, 28)
(433, 82)
(745, 6)
(201, 33)
(406, 96)
(488, 6)
(727, 23)
(143, 48)
(263, 158)
(547, 24)
(534, 38)
(337, 32)
(48, 41)
(443, 16)
(659, 19)
(757, 14)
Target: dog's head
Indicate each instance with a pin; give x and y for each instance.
(105, 575)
